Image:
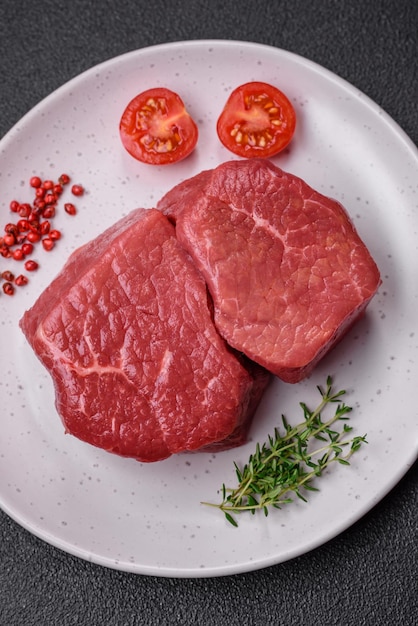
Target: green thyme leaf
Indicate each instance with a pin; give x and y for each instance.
(287, 463)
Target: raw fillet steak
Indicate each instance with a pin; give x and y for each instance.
(286, 269)
(127, 334)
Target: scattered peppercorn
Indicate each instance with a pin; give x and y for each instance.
(21, 280)
(64, 179)
(8, 289)
(48, 244)
(8, 275)
(34, 226)
(31, 265)
(35, 181)
(77, 190)
(70, 208)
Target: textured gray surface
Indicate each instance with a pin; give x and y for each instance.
(369, 574)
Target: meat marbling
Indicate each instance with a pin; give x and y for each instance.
(126, 331)
(285, 267)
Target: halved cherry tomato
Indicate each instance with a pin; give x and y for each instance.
(155, 127)
(258, 120)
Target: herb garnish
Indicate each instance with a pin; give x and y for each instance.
(289, 462)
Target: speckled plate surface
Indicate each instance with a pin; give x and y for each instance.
(148, 518)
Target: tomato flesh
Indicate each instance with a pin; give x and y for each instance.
(155, 127)
(258, 120)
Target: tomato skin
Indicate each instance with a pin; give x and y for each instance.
(155, 127)
(258, 120)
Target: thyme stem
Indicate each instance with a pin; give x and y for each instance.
(289, 462)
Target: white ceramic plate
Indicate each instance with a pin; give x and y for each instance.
(148, 518)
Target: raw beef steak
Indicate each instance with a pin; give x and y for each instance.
(127, 334)
(287, 271)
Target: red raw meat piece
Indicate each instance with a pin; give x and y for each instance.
(126, 331)
(285, 267)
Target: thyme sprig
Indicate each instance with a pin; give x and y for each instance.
(288, 463)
